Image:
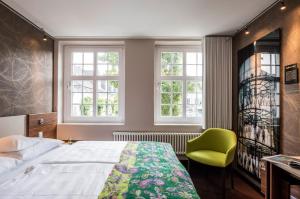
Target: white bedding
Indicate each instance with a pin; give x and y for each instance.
(57, 181)
(87, 152)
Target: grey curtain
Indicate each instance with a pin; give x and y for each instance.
(218, 82)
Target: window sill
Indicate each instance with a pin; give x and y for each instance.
(90, 124)
(178, 124)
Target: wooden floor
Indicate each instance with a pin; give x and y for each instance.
(208, 182)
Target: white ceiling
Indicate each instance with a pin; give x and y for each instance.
(139, 18)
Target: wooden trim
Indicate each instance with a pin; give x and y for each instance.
(45, 122)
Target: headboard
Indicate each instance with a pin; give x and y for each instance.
(43, 122)
(13, 125)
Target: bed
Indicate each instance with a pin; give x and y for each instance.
(95, 169)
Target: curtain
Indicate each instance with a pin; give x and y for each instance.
(218, 82)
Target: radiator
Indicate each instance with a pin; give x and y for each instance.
(177, 140)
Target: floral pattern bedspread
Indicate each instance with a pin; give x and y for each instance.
(148, 170)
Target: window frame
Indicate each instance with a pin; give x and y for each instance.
(184, 120)
(67, 78)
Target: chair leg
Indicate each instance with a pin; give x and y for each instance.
(231, 177)
(224, 183)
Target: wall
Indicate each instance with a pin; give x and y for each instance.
(26, 67)
(289, 22)
(139, 99)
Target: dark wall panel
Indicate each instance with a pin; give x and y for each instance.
(289, 22)
(26, 67)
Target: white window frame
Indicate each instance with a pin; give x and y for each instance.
(68, 50)
(184, 120)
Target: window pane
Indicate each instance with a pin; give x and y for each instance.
(88, 70)
(199, 58)
(165, 98)
(194, 99)
(113, 58)
(112, 98)
(191, 111)
(191, 98)
(177, 98)
(177, 86)
(76, 86)
(108, 63)
(86, 110)
(102, 86)
(176, 110)
(177, 70)
(112, 110)
(76, 110)
(89, 58)
(77, 70)
(101, 98)
(112, 70)
(76, 98)
(191, 58)
(101, 109)
(87, 86)
(165, 86)
(199, 70)
(87, 99)
(191, 70)
(113, 86)
(265, 59)
(165, 110)
(194, 86)
(101, 69)
(171, 63)
(166, 70)
(77, 58)
(172, 57)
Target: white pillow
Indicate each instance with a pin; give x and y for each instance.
(7, 163)
(16, 143)
(44, 145)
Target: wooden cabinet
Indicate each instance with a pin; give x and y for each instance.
(263, 178)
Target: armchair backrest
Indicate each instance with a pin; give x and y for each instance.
(218, 139)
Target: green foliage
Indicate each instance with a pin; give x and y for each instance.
(112, 61)
(171, 94)
(171, 63)
(194, 86)
(86, 107)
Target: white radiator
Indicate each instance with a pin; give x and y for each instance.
(177, 140)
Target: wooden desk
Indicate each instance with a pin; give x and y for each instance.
(279, 176)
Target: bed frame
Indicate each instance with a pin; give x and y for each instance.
(13, 125)
(29, 125)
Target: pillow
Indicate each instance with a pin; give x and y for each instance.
(44, 145)
(7, 163)
(16, 143)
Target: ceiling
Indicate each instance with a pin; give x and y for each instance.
(139, 18)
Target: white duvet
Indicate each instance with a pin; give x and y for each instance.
(87, 152)
(57, 181)
(77, 171)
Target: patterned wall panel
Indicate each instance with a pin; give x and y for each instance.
(26, 67)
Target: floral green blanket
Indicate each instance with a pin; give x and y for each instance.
(148, 170)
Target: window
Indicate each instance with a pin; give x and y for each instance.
(94, 84)
(178, 85)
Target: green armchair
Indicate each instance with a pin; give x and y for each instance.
(214, 147)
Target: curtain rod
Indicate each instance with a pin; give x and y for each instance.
(26, 19)
(257, 16)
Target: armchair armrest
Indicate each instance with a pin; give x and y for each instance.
(230, 155)
(194, 144)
